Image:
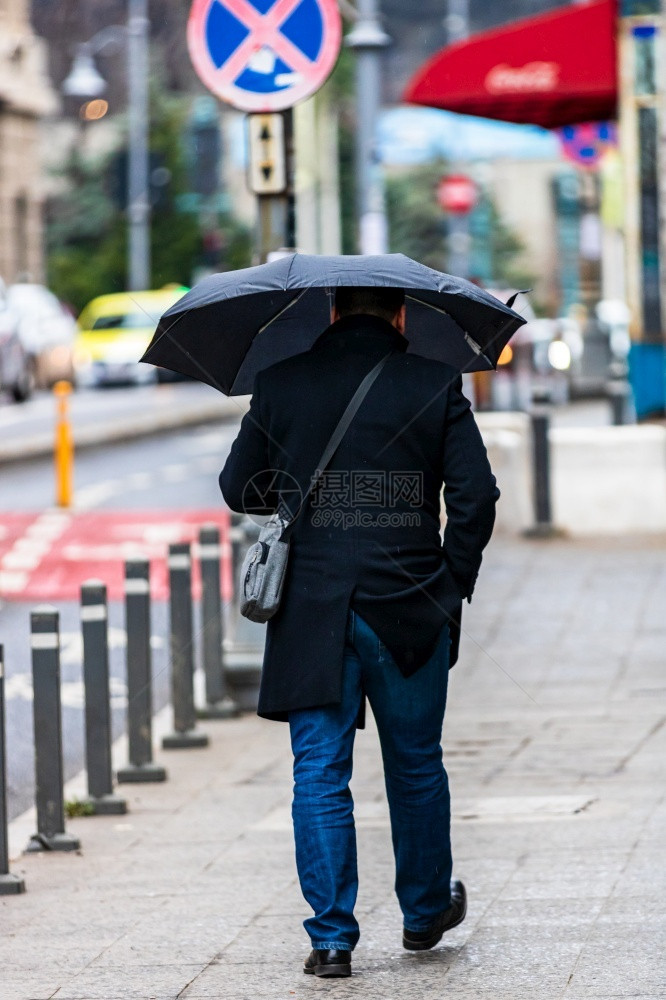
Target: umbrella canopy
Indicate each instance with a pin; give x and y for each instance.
(234, 324)
(555, 69)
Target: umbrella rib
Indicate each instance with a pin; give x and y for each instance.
(209, 377)
(499, 333)
(291, 264)
(284, 309)
(477, 350)
(470, 340)
(422, 302)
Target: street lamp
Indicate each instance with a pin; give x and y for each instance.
(84, 81)
(368, 40)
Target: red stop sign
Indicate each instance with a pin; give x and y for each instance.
(457, 194)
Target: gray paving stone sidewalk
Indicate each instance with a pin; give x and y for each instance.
(555, 742)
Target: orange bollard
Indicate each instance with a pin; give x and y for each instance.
(64, 446)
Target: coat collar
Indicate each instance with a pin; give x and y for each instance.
(361, 332)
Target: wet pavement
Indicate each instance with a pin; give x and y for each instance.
(555, 739)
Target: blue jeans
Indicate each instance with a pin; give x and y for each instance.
(409, 712)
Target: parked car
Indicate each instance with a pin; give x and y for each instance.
(47, 330)
(16, 370)
(114, 331)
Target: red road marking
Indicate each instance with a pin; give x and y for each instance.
(96, 545)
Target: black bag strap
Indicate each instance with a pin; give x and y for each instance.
(337, 436)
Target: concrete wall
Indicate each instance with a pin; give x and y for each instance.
(605, 480)
(609, 480)
(507, 438)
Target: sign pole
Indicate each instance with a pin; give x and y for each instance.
(264, 61)
(138, 204)
(290, 151)
(271, 178)
(459, 237)
(457, 195)
(368, 40)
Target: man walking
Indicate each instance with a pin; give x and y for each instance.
(372, 600)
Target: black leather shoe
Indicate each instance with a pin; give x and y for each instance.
(332, 963)
(454, 915)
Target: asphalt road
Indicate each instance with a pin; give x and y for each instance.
(26, 430)
(174, 472)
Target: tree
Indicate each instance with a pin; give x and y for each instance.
(416, 223)
(87, 225)
(507, 253)
(418, 227)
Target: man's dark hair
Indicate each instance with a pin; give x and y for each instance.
(382, 302)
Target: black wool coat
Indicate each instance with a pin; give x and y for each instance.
(369, 537)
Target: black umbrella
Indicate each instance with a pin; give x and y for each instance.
(232, 325)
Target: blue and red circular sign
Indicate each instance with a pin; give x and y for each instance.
(586, 144)
(264, 55)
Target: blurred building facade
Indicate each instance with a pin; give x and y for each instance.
(26, 96)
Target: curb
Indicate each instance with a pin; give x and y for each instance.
(41, 445)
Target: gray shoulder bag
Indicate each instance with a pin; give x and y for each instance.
(265, 565)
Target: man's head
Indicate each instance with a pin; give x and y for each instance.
(387, 303)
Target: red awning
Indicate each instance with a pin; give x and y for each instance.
(555, 69)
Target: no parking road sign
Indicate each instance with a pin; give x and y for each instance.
(264, 55)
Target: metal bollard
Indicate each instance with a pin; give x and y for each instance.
(218, 703)
(10, 885)
(182, 652)
(45, 645)
(139, 677)
(540, 416)
(619, 392)
(64, 446)
(94, 625)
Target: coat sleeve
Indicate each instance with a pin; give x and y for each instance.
(246, 479)
(470, 492)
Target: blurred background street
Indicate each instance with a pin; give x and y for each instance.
(517, 145)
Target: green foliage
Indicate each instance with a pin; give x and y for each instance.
(506, 250)
(175, 238)
(87, 233)
(75, 807)
(341, 86)
(417, 227)
(416, 223)
(77, 224)
(237, 243)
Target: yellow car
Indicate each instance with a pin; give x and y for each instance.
(114, 331)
